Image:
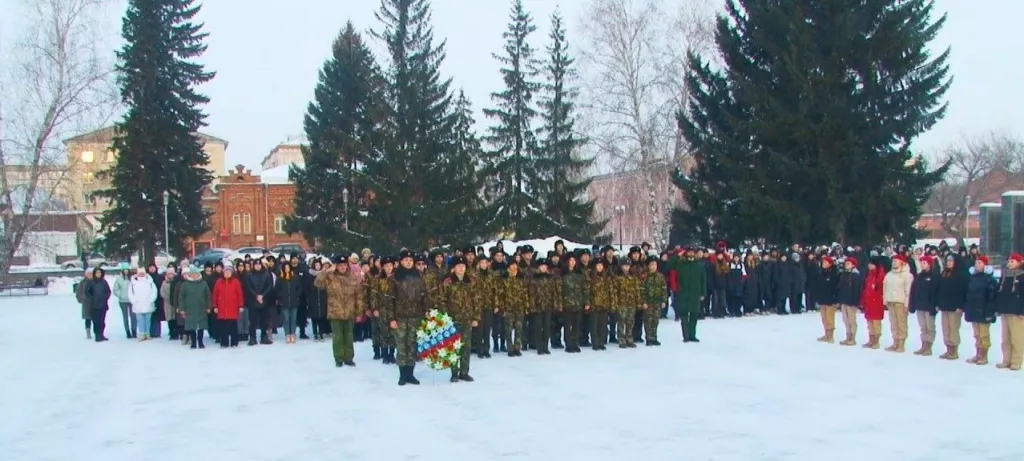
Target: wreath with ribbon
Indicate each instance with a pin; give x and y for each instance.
(437, 341)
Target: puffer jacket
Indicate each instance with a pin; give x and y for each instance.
(142, 294)
(345, 294)
(850, 285)
(980, 306)
(951, 292)
(409, 296)
(1010, 299)
(121, 285)
(897, 286)
(924, 293)
(871, 296)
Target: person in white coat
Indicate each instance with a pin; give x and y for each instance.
(142, 295)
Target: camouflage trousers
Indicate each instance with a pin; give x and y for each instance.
(557, 323)
(481, 333)
(405, 341)
(572, 321)
(627, 318)
(652, 316)
(464, 354)
(542, 331)
(586, 322)
(514, 332)
(598, 327)
(380, 333)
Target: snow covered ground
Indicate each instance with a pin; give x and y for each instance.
(754, 389)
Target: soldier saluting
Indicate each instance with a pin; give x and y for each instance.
(403, 312)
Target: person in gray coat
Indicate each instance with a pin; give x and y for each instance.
(80, 296)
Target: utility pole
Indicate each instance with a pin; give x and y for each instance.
(167, 227)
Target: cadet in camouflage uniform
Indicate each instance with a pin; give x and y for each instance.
(483, 286)
(627, 288)
(555, 267)
(403, 312)
(545, 297)
(575, 300)
(586, 268)
(513, 302)
(434, 275)
(638, 269)
(527, 269)
(382, 335)
(655, 293)
(461, 299)
(601, 290)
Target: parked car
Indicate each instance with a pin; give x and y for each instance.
(212, 256)
(94, 259)
(253, 252)
(288, 249)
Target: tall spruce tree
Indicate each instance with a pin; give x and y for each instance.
(415, 194)
(342, 126)
(805, 135)
(157, 142)
(465, 184)
(510, 162)
(559, 163)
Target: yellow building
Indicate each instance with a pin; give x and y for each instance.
(52, 182)
(90, 153)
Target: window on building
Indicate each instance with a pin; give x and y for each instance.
(88, 177)
(110, 156)
(236, 223)
(246, 224)
(87, 156)
(279, 224)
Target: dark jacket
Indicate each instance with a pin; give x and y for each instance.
(97, 294)
(289, 292)
(316, 299)
(258, 284)
(951, 291)
(980, 306)
(1009, 299)
(851, 283)
(826, 286)
(924, 293)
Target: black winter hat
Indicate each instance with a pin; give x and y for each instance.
(420, 258)
(338, 259)
(653, 259)
(526, 249)
(458, 261)
(541, 262)
(625, 262)
(406, 254)
(207, 266)
(635, 249)
(388, 260)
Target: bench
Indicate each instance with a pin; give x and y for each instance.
(24, 288)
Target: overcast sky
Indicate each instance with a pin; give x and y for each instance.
(267, 60)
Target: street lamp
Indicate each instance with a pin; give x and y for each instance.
(344, 197)
(967, 218)
(167, 232)
(620, 210)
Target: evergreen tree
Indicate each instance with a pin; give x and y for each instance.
(461, 167)
(342, 128)
(559, 164)
(416, 196)
(805, 135)
(511, 161)
(157, 142)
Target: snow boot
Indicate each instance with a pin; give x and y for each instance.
(302, 333)
(945, 355)
(901, 346)
(376, 352)
(1004, 364)
(849, 341)
(982, 357)
(895, 347)
(925, 350)
(954, 353)
(977, 356)
(455, 376)
(252, 341)
(193, 340)
(402, 376)
(88, 333)
(466, 377)
(872, 342)
(410, 377)
(199, 339)
(504, 346)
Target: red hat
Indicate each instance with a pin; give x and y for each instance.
(830, 260)
(852, 260)
(983, 259)
(900, 258)
(929, 260)
(1016, 257)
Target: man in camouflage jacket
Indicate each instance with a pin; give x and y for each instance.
(513, 297)
(403, 313)
(462, 302)
(654, 290)
(484, 286)
(575, 301)
(601, 289)
(627, 287)
(545, 297)
(383, 336)
(586, 268)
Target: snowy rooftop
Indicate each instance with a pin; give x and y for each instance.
(277, 174)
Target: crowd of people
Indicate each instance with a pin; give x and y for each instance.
(563, 300)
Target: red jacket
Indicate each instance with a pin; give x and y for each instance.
(872, 295)
(227, 298)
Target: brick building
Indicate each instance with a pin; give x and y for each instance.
(948, 200)
(624, 198)
(248, 210)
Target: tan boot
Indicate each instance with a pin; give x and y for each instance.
(921, 350)
(831, 336)
(901, 346)
(982, 357)
(850, 340)
(876, 343)
(926, 350)
(1003, 365)
(871, 342)
(954, 353)
(823, 338)
(945, 355)
(895, 345)
(1015, 367)
(977, 356)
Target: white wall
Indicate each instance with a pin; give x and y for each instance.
(42, 248)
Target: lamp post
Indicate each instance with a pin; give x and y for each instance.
(344, 197)
(967, 218)
(619, 211)
(167, 232)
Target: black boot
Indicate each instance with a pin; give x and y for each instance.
(199, 338)
(455, 376)
(410, 378)
(376, 352)
(302, 333)
(557, 344)
(403, 376)
(349, 363)
(495, 345)
(503, 347)
(465, 377)
(252, 340)
(264, 338)
(192, 337)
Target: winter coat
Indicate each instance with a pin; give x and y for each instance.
(195, 303)
(82, 300)
(485, 285)
(691, 281)
(826, 286)
(653, 290)
(897, 286)
(227, 298)
(158, 314)
(121, 284)
(719, 276)
(575, 292)
(799, 282)
(951, 292)
(924, 293)
(460, 301)
(408, 299)
(316, 299)
(289, 292)
(626, 290)
(765, 281)
(752, 286)
(1009, 299)
(97, 294)
(783, 275)
(259, 283)
(872, 295)
(601, 290)
(546, 293)
(346, 297)
(169, 309)
(142, 294)
(851, 283)
(734, 283)
(979, 305)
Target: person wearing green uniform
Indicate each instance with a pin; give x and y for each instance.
(691, 288)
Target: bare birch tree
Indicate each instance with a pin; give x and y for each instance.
(633, 87)
(56, 82)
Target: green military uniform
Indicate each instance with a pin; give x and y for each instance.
(601, 299)
(575, 297)
(513, 303)
(483, 286)
(587, 315)
(692, 285)
(627, 289)
(407, 306)
(545, 299)
(462, 304)
(383, 337)
(654, 293)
